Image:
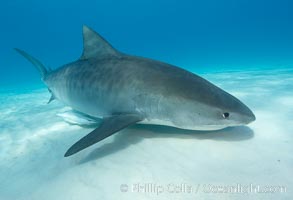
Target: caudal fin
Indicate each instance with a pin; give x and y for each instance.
(40, 67)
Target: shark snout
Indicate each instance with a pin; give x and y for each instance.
(247, 116)
(241, 114)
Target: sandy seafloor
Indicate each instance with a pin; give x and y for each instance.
(165, 163)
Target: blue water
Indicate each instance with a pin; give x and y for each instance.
(244, 46)
(196, 35)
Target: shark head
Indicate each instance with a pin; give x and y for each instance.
(200, 105)
(195, 115)
(223, 110)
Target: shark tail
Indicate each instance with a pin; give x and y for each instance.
(40, 67)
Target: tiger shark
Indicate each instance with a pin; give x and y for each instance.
(123, 90)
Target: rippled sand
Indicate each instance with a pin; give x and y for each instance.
(151, 162)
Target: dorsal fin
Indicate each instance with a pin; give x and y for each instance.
(95, 46)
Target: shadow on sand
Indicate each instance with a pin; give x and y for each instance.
(138, 132)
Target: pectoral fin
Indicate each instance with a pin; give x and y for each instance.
(109, 126)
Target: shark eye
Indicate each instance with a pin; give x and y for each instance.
(225, 115)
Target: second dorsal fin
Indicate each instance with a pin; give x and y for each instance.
(95, 45)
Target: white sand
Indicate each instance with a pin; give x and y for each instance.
(33, 141)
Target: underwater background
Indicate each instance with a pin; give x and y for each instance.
(196, 35)
(245, 47)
